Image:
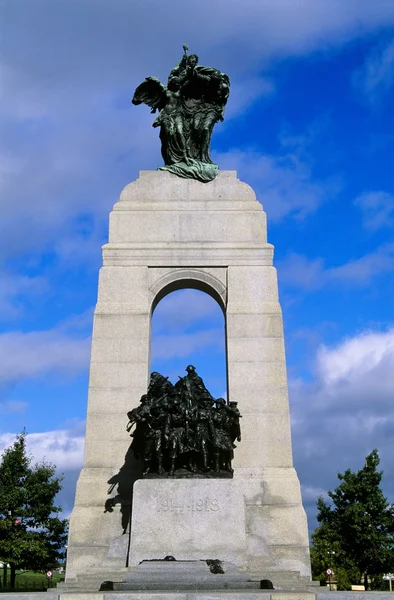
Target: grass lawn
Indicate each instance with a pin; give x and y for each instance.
(31, 580)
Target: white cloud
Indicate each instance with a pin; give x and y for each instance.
(377, 208)
(26, 355)
(376, 77)
(356, 357)
(361, 271)
(246, 91)
(283, 183)
(79, 141)
(344, 412)
(14, 289)
(297, 270)
(176, 319)
(131, 37)
(184, 308)
(61, 447)
(181, 346)
(300, 271)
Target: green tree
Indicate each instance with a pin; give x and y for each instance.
(358, 525)
(326, 553)
(31, 534)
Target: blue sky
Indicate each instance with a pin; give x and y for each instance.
(309, 125)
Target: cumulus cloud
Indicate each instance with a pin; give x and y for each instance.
(63, 350)
(376, 76)
(299, 271)
(61, 447)
(87, 41)
(67, 98)
(283, 183)
(377, 209)
(364, 354)
(345, 412)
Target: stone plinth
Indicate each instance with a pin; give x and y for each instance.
(196, 519)
(168, 233)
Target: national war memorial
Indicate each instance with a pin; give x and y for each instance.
(204, 495)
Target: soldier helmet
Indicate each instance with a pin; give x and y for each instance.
(220, 401)
(190, 369)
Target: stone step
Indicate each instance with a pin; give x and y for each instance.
(186, 575)
(186, 585)
(187, 595)
(280, 575)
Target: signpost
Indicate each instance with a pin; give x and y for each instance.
(389, 577)
(330, 573)
(49, 577)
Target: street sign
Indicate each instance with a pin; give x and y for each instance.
(49, 574)
(329, 571)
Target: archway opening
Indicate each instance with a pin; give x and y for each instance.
(188, 327)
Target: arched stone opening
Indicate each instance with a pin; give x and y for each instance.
(189, 328)
(198, 279)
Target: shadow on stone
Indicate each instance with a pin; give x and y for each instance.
(128, 474)
(107, 586)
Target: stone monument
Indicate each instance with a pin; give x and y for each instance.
(188, 225)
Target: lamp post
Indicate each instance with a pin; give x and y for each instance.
(389, 577)
(330, 571)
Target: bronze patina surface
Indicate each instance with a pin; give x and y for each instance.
(189, 106)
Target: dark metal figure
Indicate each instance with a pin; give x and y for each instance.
(205, 433)
(175, 432)
(189, 106)
(178, 427)
(222, 445)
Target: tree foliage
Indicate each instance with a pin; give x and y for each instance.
(356, 532)
(31, 534)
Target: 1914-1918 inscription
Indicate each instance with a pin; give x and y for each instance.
(165, 504)
(188, 519)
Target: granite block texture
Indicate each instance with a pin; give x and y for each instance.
(189, 519)
(167, 233)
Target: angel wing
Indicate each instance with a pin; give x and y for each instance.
(151, 92)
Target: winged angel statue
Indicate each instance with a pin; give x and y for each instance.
(189, 106)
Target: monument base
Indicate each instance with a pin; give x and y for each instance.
(185, 575)
(188, 519)
(185, 595)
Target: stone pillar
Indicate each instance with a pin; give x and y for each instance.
(275, 520)
(167, 233)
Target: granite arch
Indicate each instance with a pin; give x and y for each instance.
(199, 279)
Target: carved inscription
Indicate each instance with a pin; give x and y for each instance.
(207, 504)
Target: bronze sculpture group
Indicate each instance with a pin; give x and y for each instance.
(189, 106)
(182, 426)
